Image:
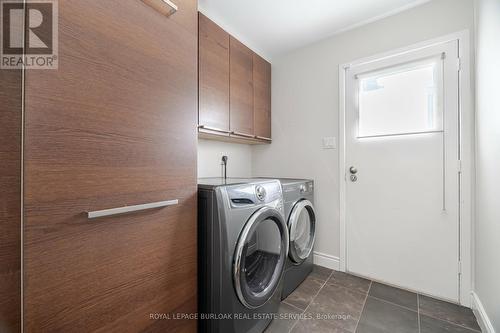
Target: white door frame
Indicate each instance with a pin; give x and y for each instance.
(466, 112)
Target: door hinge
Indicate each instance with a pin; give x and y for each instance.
(459, 268)
(459, 64)
(459, 166)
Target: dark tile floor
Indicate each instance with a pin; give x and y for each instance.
(331, 301)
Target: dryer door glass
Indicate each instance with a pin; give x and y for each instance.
(302, 231)
(260, 258)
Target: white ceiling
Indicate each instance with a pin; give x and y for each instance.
(274, 27)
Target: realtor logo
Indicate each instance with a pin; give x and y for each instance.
(29, 34)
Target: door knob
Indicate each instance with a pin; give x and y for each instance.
(353, 170)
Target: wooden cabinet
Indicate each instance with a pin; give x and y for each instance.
(114, 126)
(262, 97)
(213, 76)
(234, 88)
(241, 89)
(10, 199)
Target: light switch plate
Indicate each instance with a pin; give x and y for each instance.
(329, 142)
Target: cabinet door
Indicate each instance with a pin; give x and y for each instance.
(262, 97)
(115, 125)
(241, 87)
(10, 199)
(213, 75)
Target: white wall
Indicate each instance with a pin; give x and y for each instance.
(487, 252)
(305, 100)
(209, 159)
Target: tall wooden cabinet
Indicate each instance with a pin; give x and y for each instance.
(10, 199)
(235, 88)
(114, 126)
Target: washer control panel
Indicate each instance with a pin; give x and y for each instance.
(255, 194)
(260, 192)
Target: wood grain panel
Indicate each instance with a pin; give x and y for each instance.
(114, 126)
(213, 75)
(241, 88)
(10, 200)
(262, 96)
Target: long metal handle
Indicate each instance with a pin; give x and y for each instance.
(263, 138)
(443, 57)
(243, 134)
(129, 209)
(159, 5)
(213, 129)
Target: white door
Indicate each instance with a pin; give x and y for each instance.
(402, 193)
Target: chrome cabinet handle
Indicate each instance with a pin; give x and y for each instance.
(213, 129)
(263, 138)
(130, 209)
(243, 134)
(159, 5)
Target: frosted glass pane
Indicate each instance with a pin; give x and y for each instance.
(400, 102)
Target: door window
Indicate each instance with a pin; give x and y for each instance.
(404, 99)
(260, 257)
(302, 229)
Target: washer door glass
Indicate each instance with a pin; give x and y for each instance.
(260, 257)
(302, 225)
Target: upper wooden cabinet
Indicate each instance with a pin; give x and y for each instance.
(262, 97)
(241, 89)
(234, 88)
(213, 76)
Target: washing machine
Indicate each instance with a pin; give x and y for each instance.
(298, 196)
(243, 245)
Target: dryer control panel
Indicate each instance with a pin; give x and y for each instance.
(292, 191)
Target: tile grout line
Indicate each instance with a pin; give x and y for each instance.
(357, 291)
(452, 323)
(312, 300)
(293, 306)
(418, 313)
(440, 319)
(363, 308)
(314, 297)
(392, 303)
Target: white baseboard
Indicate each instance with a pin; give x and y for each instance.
(482, 317)
(326, 260)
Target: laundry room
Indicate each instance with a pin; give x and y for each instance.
(230, 166)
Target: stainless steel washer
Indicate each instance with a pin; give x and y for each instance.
(298, 196)
(243, 246)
